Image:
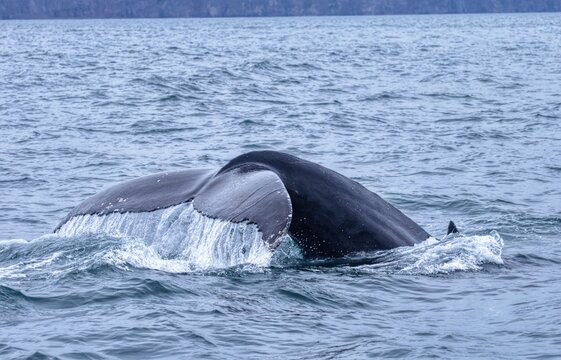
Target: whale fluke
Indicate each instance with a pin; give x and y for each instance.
(324, 212)
(249, 194)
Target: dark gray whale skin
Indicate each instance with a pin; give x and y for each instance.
(333, 215)
(326, 213)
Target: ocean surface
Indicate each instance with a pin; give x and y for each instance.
(446, 117)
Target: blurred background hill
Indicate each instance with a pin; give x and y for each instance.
(44, 9)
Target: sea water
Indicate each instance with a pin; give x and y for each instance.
(447, 117)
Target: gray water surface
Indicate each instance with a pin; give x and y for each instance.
(447, 117)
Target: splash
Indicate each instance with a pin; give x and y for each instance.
(176, 239)
(451, 254)
(179, 239)
(457, 253)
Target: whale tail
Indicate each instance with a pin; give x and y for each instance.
(452, 229)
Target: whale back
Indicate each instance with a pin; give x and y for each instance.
(332, 215)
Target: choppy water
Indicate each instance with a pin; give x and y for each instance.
(447, 117)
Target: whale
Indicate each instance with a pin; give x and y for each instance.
(324, 212)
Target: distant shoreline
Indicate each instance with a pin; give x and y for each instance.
(149, 9)
(277, 16)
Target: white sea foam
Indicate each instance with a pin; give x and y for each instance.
(455, 253)
(176, 239)
(180, 240)
(12, 242)
(19, 270)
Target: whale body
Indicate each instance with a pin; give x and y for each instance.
(324, 212)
